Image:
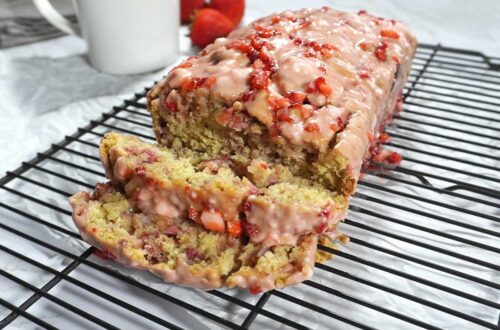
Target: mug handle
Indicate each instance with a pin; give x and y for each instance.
(55, 18)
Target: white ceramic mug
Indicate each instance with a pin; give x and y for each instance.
(123, 36)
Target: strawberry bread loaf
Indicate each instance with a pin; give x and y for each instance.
(309, 90)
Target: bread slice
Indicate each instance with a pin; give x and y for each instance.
(184, 252)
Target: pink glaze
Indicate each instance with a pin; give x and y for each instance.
(276, 223)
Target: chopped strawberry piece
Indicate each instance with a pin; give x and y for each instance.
(255, 289)
(312, 127)
(259, 79)
(389, 34)
(194, 214)
(275, 130)
(362, 12)
(384, 138)
(141, 171)
(189, 85)
(394, 158)
(305, 25)
(246, 207)
(381, 51)
(240, 45)
(252, 230)
(322, 86)
(264, 32)
(320, 229)
(296, 97)
(235, 228)
(245, 97)
(364, 46)
(192, 253)
(363, 74)
(341, 124)
(171, 106)
(264, 166)
(285, 118)
(225, 117)
(275, 19)
(395, 59)
(212, 220)
(94, 229)
(371, 138)
(105, 254)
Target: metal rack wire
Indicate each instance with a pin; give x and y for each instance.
(447, 217)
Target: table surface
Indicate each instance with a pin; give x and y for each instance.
(48, 89)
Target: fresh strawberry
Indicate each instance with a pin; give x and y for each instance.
(209, 24)
(188, 7)
(233, 9)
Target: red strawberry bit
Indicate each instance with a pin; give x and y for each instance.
(285, 118)
(322, 68)
(393, 21)
(225, 117)
(252, 230)
(94, 229)
(255, 289)
(389, 34)
(362, 12)
(310, 53)
(259, 79)
(212, 220)
(248, 96)
(305, 25)
(132, 150)
(312, 127)
(296, 97)
(189, 85)
(240, 45)
(275, 20)
(394, 158)
(264, 32)
(363, 74)
(384, 138)
(322, 86)
(395, 59)
(381, 51)
(105, 254)
(275, 130)
(264, 166)
(235, 228)
(172, 230)
(141, 171)
(194, 214)
(320, 229)
(364, 46)
(171, 106)
(246, 207)
(192, 253)
(371, 138)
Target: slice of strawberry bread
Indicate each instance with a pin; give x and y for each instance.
(183, 252)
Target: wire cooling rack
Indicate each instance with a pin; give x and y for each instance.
(424, 250)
